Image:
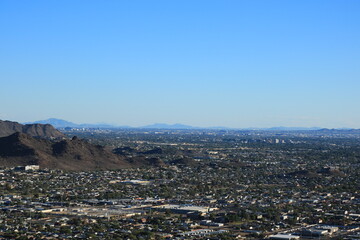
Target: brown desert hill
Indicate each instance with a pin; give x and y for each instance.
(35, 130)
(324, 172)
(21, 149)
(332, 171)
(304, 173)
(142, 161)
(42, 130)
(186, 161)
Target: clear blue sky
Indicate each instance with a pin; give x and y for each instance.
(255, 63)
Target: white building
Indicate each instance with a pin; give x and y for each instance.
(284, 236)
(32, 167)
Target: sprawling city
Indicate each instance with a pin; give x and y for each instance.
(193, 184)
(180, 120)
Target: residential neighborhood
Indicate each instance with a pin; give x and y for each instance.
(209, 185)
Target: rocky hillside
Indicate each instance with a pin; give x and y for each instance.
(21, 149)
(35, 130)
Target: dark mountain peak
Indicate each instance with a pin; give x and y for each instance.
(59, 148)
(156, 150)
(187, 161)
(141, 161)
(35, 130)
(42, 130)
(332, 171)
(75, 154)
(18, 145)
(18, 136)
(124, 151)
(60, 123)
(155, 162)
(74, 138)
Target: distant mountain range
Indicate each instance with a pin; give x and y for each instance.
(286, 128)
(43, 145)
(59, 123)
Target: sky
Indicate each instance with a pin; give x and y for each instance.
(254, 63)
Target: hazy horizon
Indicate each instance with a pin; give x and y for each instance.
(49, 120)
(237, 64)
